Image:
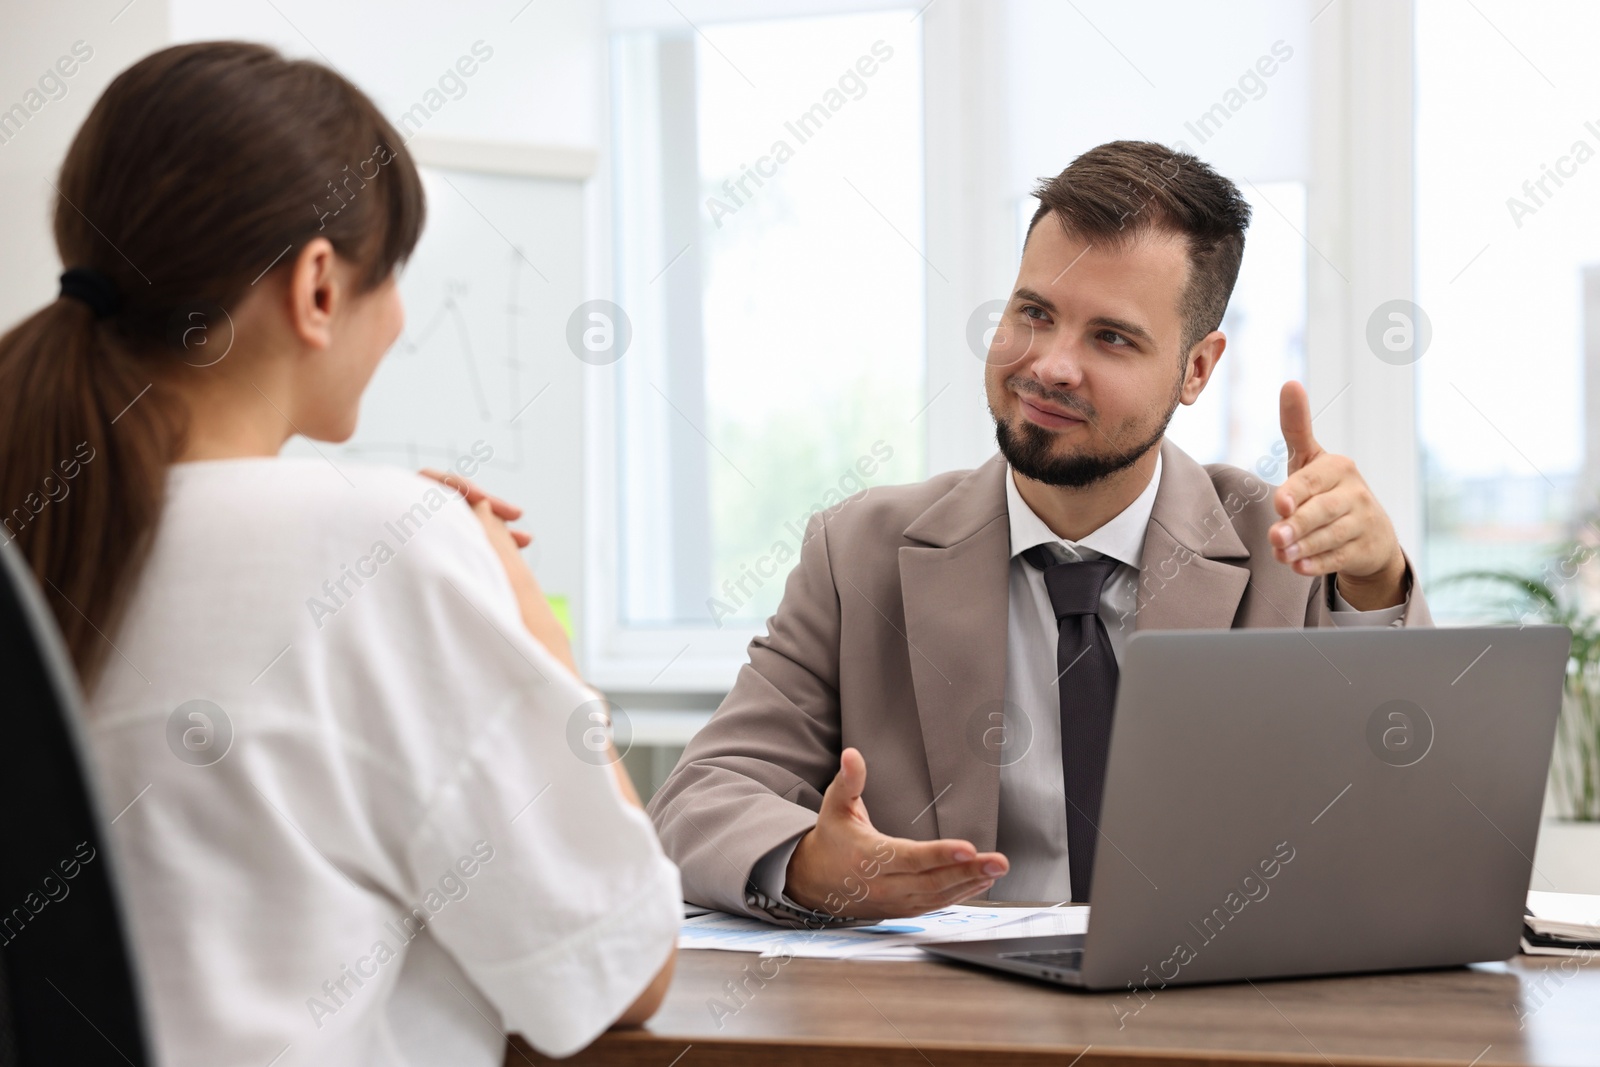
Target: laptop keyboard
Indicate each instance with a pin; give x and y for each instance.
(1070, 959)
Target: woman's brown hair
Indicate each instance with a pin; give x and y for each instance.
(201, 169)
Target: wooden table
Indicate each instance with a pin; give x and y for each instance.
(825, 1013)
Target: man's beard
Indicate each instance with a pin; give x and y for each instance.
(1028, 448)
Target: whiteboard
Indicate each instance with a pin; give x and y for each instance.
(484, 358)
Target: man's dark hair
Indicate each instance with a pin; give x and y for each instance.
(1125, 189)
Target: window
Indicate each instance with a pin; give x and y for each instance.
(1508, 276)
(768, 205)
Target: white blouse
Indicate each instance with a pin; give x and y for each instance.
(354, 804)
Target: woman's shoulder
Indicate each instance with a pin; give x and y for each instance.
(311, 507)
(296, 490)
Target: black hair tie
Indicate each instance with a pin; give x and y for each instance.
(93, 288)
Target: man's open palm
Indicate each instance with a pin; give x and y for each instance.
(844, 867)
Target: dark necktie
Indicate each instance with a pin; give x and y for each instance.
(1087, 682)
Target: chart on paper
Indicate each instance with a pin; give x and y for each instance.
(890, 939)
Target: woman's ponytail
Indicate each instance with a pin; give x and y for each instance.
(85, 449)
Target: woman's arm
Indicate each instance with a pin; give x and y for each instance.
(547, 630)
(536, 614)
(641, 1010)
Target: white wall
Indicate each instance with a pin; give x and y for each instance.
(545, 84)
(114, 35)
(542, 86)
(1082, 74)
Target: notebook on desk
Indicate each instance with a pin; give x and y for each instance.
(1561, 924)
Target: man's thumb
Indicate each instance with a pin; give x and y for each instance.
(1294, 418)
(847, 785)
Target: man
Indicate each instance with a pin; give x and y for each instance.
(960, 637)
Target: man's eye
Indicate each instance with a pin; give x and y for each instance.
(1114, 338)
(1033, 311)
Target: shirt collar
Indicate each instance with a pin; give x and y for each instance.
(1122, 538)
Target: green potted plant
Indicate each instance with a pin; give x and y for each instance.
(1568, 857)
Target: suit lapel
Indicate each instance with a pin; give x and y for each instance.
(1183, 583)
(956, 587)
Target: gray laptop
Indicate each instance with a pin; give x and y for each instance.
(1305, 802)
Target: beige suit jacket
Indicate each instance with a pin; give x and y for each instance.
(891, 637)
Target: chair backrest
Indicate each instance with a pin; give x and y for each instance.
(67, 988)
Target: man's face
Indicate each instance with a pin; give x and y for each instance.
(1086, 369)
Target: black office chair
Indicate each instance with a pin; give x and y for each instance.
(67, 989)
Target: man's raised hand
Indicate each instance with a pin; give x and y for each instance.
(1332, 522)
(844, 867)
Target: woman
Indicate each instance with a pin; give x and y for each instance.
(339, 733)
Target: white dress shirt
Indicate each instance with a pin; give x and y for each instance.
(1033, 813)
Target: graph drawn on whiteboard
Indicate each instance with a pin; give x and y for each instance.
(480, 389)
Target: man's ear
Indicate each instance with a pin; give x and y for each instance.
(1203, 358)
(314, 293)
